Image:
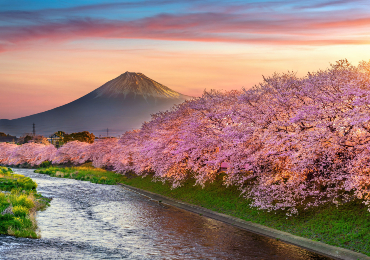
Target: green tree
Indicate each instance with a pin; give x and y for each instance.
(25, 139)
(60, 134)
(57, 138)
(84, 136)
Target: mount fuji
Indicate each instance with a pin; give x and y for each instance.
(119, 105)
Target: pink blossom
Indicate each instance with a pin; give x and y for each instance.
(288, 143)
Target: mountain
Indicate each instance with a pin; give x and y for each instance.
(121, 104)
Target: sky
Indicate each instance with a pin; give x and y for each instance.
(53, 52)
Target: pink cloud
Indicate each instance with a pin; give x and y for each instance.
(205, 27)
(345, 23)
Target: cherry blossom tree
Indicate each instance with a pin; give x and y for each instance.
(289, 143)
(30, 153)
(6, 151)
(102, 152)
(75, 152)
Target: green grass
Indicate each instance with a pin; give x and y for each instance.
(346, 226)
(20, 194)
(84, 173)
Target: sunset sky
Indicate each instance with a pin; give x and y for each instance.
(53, 52)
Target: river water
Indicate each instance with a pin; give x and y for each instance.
(92, 221)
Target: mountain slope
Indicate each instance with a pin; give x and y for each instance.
(121, 104)
(137, 83)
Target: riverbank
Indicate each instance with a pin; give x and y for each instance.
(19, 203)
(346, 226)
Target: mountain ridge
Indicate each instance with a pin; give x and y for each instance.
(120, 104)
(137, 83)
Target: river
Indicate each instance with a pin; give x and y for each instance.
(93, 221)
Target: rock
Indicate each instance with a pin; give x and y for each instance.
(8, 210)
(58, 173)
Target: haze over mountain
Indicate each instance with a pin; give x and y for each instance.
(121, 104)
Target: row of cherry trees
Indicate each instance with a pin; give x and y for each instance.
(289, 143)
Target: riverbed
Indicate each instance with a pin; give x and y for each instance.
(94, 221)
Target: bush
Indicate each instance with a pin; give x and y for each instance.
(5, 170)
(22, 200)
(27, 183)
(20, 211)
(45, 164)
(8, 184)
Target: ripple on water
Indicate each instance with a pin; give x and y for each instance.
(91, 221)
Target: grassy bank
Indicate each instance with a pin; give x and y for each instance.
(19, 202)
(346, 226)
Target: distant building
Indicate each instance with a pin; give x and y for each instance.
(56, 140)
(8, 139)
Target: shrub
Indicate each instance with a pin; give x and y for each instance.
(102, 180)
(22, 200)
(20, 211)
(45, 164)
(27, 183)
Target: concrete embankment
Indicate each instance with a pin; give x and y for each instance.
(314, 246)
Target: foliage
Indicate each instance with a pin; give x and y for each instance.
(10, 181)
(57, 138)
(60, 134)
(75, 151)
(45, 164)
(2, 134)
(24, 139)
(84, 173)
(84, 136)
(28, 138)
(17, 209)
(39, 139)
(289, 144)
(5, 170)
(20, 211)
(29, 153)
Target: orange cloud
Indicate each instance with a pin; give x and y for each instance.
(208, 27)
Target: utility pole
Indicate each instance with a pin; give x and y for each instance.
(107, 132)
(33, 130)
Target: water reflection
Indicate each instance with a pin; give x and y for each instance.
(90, 221)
